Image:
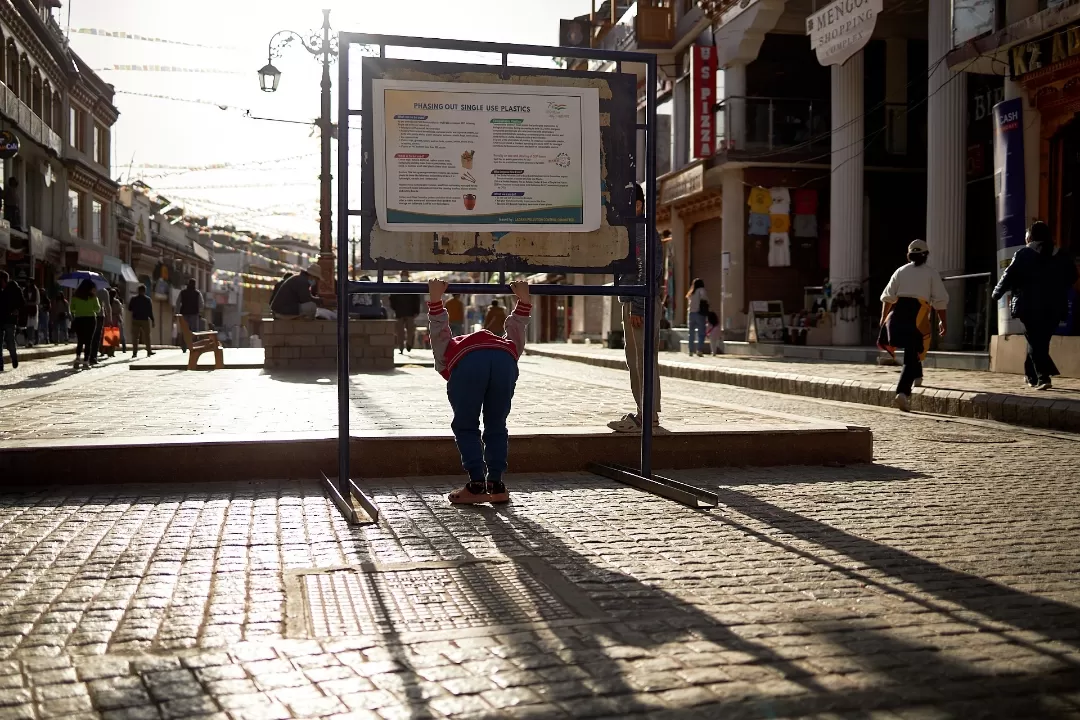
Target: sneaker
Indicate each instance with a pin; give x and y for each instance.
(918, 382)
(77, 365)
(149, 353)
(1043, 386)
(900, 402)
(476, 492)
(628, 423)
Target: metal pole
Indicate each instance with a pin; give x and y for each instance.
(343, 264)
(648, 401)
(326, 241)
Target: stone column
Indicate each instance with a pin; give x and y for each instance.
(846, 192)
(680, 125)
(946, 167)
(733, 242)
(681, 244)
(735, 119)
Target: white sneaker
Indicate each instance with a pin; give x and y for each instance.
(626, 424)
(900, 402)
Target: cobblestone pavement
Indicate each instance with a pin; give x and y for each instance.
(941, 582)
(963, 380)
(112, 402)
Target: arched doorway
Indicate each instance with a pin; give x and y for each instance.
(1065, 184)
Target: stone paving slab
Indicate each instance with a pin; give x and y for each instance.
(960, 393)
(940, 582)
(111, 403)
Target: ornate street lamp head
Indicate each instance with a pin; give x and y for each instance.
(269, 77)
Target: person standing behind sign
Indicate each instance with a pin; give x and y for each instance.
(406, 308)
(697, 313)
(495, 318)
(455, 310)
(1039, 278)
(633, 315)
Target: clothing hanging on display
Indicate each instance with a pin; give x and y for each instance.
(779, 250)
(760, 200)
(806, 202)
(806, 226)
(780, 201)
(759, 224)
(779, 223)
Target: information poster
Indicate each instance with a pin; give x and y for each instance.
(486, 158)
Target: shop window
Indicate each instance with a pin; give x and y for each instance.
(97, 219)
(47, 104)
(24, 79)
(35, 93)
(74, 209)
(101, 145)
(77, 134)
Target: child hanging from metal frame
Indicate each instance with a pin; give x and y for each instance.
(481, 372)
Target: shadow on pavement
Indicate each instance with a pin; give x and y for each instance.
(996, 602)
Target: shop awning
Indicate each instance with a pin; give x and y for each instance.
(128, 273)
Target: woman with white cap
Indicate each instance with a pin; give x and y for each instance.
(914, 292)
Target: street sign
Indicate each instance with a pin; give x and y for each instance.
(9, 145)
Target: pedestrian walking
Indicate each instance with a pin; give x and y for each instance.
(913, 293)
(455, 309)
(481, 373)
(406, 308)
(86, 314)
(189, 306)
(1039, 278)
(142, 319)
(633, 317)
(44, 318)
(104, 315)
(117, 307)
(495, 318)
(697, 315)
(60, 319)
(11, 302)
(32, 307)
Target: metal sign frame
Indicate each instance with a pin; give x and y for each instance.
(344, 490)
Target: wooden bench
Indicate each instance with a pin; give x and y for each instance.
(199, 343)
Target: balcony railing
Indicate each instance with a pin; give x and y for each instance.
(772, 125)
(29, 122)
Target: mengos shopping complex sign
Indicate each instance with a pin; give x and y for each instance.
(842, 29)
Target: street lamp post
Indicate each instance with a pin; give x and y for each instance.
(269, 78)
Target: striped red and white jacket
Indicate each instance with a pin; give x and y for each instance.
(449, 350)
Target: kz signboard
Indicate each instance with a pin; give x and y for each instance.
(841, 29)
(703, 88)
(473, 157)
(1010, 192)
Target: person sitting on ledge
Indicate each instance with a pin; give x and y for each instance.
(296, 297)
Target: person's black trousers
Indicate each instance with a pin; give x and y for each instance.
(1039, 367)
(95, 344)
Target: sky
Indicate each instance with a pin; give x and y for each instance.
(271, 181)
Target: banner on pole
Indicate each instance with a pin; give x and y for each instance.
(1011, 195)
(703, 68)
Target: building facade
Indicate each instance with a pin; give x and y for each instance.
(857, 159)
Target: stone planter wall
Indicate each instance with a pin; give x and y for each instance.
(312, 344)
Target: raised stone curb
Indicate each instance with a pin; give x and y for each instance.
(1050, 413)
